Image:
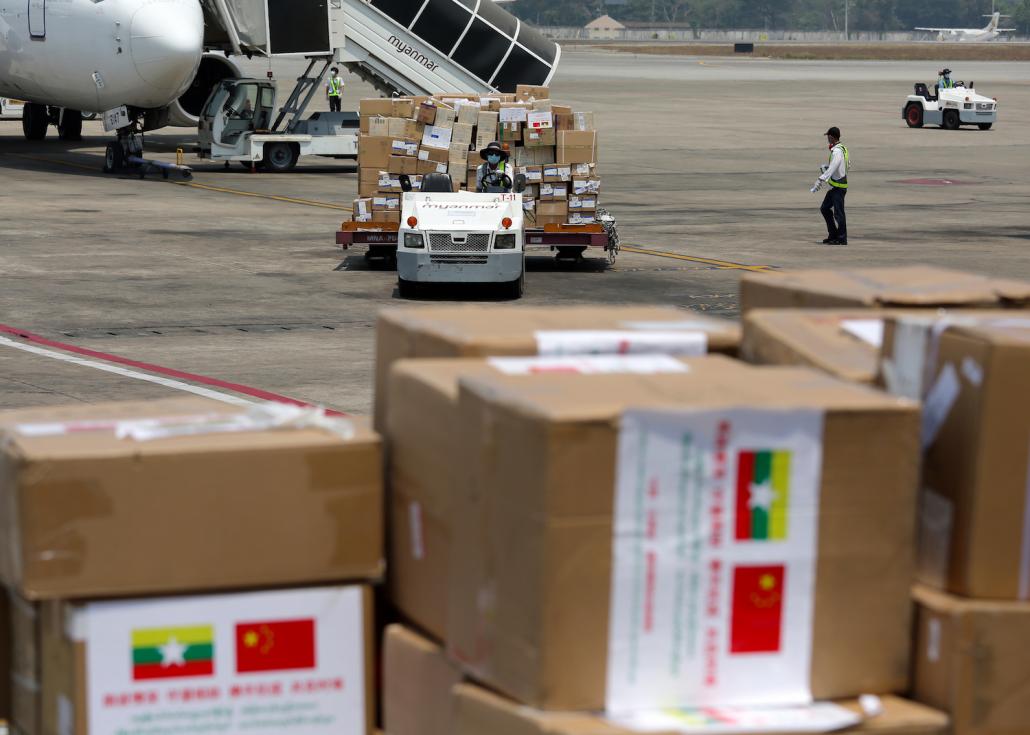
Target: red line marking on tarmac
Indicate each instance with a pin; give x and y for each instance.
(246, 390)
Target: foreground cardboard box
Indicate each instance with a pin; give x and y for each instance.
(533, 544)
(479, 712)
(970, 661)
(297, 660)
(424, 462)
(88, 514)
(417, 683)
(975, 378)
(900, 287)
(478, 331)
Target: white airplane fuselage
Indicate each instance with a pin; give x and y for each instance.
(95, 55)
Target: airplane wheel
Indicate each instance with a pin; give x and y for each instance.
(70, 127)
(951, 120)
(914, 116)
(113, 158)
(985, 126)
(34, 121)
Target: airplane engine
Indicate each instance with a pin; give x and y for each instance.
(214, 67)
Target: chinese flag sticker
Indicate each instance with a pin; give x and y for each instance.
(757, 609)
(279, 645)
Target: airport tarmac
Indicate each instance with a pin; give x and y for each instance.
(233, 284)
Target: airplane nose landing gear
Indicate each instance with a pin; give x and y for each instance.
(126, 154)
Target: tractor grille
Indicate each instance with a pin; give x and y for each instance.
(474, 242)
(450, 259)
(984, 106)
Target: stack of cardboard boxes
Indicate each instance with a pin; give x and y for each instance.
(554, 146)
(186, 564)
(969, 365)
(566, 537)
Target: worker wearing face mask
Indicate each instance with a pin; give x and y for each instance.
(495, 174)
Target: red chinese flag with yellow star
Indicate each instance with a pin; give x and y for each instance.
(275, 645)
(757, 622)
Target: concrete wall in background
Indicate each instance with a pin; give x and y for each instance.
(732, 36)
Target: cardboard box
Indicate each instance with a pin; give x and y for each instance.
(368, 182)
(417, 683)
(584, 170)
(970, 661)
(403, 165)
(458, 153)
(362, 210)
(582, 187)
(424, 475)
(583, 204)
(510, 132)
(549, 208)
(379, 126)
(842, 342)
(85, 499)
(539, 120)
(542, 220)
(233, 676)
(538, 138)
(916, 286)
(402, 128)
(375, 152)
(462, 135)
(582, 218)
(386, 202)
(431, 167)
(583, 121)
(23, 675)
(478, 711)
(486, 124)
(445, 117)
(439, 155)
(528, 211)
(564, 121)
(554, 193)
(390, 216)
(389, 183)
(426, 113)
(531, 92)
(557, 174)
(487, 331)
(974, 379)
(437, 137)
(577, 146)
(378, 107)
(541, 492)
(468, 114)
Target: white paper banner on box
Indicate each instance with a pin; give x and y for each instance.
(813, 718)
(513, 114)
(640, 364)
(285, 662)
(714, 559)
(560, 343)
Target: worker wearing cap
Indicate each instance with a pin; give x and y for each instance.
(945, 80)
(495, 173)
(334, 90)
(836, 175)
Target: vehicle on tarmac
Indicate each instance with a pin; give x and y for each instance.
(448, 236)
(11, 109)
(239, 123)
(950, 108)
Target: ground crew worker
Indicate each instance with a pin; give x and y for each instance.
(495, 174)
(334, 90)
(836, 175)
(945, 80)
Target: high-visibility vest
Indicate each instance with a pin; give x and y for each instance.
(841, 183)
(946, 83)
(335, 85)
(494, 174)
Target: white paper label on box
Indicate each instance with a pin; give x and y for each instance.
(513, 114)
(933, 640)
(418, 545)
(939, 401)
(869, 331)
(437, 137)
(972, 370)
(542, 120)
(559, 343)
(285, 662)
(713, 573)
(590, 186)
(65, 716)
(813, 718)
(590, 365)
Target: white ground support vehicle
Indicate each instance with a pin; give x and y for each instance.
(460, 237)
(236, 124)
(11, 109)
(949, 108)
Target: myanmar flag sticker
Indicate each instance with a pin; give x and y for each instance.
(275, 645)
(763, 495)
(171, 653)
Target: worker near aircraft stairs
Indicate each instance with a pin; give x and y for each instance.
(494, 175)
(334, 90)
(836, 175)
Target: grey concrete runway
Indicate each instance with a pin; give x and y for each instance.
(707, 159)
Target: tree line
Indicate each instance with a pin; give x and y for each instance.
(801, 15)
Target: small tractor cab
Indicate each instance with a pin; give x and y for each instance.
(239, 122)
(449, 236)
(949, 107)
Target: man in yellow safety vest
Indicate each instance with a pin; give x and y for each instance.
(334, 90)
(836, 175)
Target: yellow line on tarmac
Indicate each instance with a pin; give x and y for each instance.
(258, 195)
(725, 264)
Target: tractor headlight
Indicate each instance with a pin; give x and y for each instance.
(504, 242)
(414, 240)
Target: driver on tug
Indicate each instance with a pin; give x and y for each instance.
(494, 176)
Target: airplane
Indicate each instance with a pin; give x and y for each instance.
(971, 35)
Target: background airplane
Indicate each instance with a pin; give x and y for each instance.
(970, 35)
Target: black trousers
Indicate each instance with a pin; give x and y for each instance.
(833, 209)
(334, 104)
